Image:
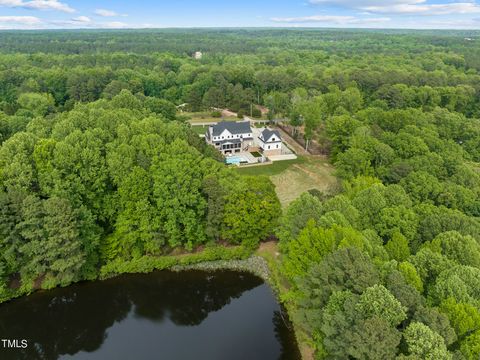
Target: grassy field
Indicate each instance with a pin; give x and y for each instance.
(294, 177)
(270, 170)
(205, 117)
(200, 130)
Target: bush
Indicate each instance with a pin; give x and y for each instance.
(146, 264)
(216, 114)
(256, 113)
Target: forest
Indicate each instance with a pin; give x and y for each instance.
(99, 169)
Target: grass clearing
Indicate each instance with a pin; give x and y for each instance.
(270, 170)
(294, 177)
(200, 130)
(206, 117)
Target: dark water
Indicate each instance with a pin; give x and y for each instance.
(163, 315)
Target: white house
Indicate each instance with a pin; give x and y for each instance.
(197, 55)
(230, 137)
(270, 142)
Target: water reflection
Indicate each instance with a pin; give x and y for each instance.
(194, 315)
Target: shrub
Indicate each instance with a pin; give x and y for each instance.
(241, 113)
(256, 113)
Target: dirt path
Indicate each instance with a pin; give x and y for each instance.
(228, 113)
(291, 142)
(270, 247)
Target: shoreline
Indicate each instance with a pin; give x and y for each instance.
(259, 266)
(217, 258)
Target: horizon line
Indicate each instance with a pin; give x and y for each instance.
(239, 28)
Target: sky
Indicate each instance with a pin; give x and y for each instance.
(75, 14)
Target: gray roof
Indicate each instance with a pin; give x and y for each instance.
(234, 127)
(267, 134)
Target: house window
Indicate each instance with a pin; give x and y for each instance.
(268, 147)
(273, 139)
(277, 146)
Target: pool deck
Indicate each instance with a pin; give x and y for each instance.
(246, 155)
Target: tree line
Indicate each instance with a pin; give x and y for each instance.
(97, 167)
(390, 267)
(115, 180)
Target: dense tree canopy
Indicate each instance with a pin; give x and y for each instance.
(114, 180)
(97, 166)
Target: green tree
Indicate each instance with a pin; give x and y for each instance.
(137, 227)
(379, 302)
(374, 338)
(464, 250)
(464, 318)
(471, 346)
(461, 283)
(177, 179)
(354, 162)
(161, 107)
(38, 104)
(307, 207)
(397, 247)
(344, 269)
(251, 211)
(411, 275)
(52, 244)
(424, 343)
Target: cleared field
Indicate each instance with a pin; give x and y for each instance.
(270, 170)
(292, 178)
(205, 117)
(200, 130)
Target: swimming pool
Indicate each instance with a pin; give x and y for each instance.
(236, 160)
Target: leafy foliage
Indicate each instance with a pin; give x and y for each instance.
(97, 170)
(112, 181)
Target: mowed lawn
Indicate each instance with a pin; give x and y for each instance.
(294, 177)
(200, 130)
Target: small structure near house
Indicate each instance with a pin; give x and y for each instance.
(230, 137)
(198, 55)
(270, 142)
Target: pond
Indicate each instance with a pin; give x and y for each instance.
(162, 315)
